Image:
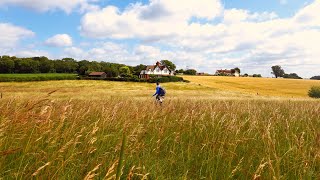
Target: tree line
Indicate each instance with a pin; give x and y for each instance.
(12, 64)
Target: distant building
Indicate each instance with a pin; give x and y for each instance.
(200, 74)
(98, 74)
(226, 72)
(158, 69)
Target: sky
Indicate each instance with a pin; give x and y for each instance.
(206, 35)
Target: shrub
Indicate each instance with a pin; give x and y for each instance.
(166, 79)
(315, 78)
(314, 92)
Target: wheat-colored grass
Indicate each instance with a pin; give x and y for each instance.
(262, 86)
(75, 129)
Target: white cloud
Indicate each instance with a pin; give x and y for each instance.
(309, 15)
(29, 53)
(10, 35)
(59, 40)
(156, 20)
(240, 15)
(243, 38)
(48, 5)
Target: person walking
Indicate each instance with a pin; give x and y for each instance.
(160, 93)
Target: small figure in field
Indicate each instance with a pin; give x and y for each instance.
(160, 93)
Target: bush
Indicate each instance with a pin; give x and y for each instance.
(166, 79)
(315, 78)
(292, 76)
(135, 78)
(256, 75)
(314, 92)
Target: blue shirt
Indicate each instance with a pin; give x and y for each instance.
(157, 91)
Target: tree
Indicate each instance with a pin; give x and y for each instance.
(190, 72)
(169, 64)
(315, 78)
(256, 75)
(237, 69)
(111, 72)
(45, 65)
(137, 69)
(95, 67)
(125, 71)
(277, 71)
(70, 65)
(292, 76)
(180, 71)
(6, 66)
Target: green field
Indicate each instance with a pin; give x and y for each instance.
(36, 77)
(210, 128)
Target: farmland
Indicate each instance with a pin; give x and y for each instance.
(210, 128)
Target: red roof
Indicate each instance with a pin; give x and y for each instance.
(97, 73)
(152, 67)
(224, 71)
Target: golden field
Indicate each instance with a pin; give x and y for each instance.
(262, 86)
(210, 128)
(204, 87)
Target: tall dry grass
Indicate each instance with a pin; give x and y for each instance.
(183, 139)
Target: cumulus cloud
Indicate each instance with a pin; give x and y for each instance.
(241, 38)
(10, 35)
(29, 53)
(240, 15)
(156, 20)
(49, 5)
(59, 40)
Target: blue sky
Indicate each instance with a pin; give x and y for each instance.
(202, 34)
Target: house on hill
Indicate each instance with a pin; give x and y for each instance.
(231, 72)
(158, 70)
(98, 75)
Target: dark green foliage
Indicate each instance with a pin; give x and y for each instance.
(237, 69)
(315, 78)
(66, 65)
(256, 75)
(314, 92)
(135, 78)
(277, 71)
(190, 72)
(166, 79)
(137, 69)
(35, 77)
(114, 71)
(180, 71)
(292, 76)
(125, 71)
(168, 63)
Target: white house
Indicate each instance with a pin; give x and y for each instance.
(158, 70)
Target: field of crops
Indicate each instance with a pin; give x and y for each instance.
(210, 128)
(36, 77)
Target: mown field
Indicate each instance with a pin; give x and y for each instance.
(210, 128)
(36, 77)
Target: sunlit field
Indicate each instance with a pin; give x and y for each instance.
(259, 86)
(210, 128)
